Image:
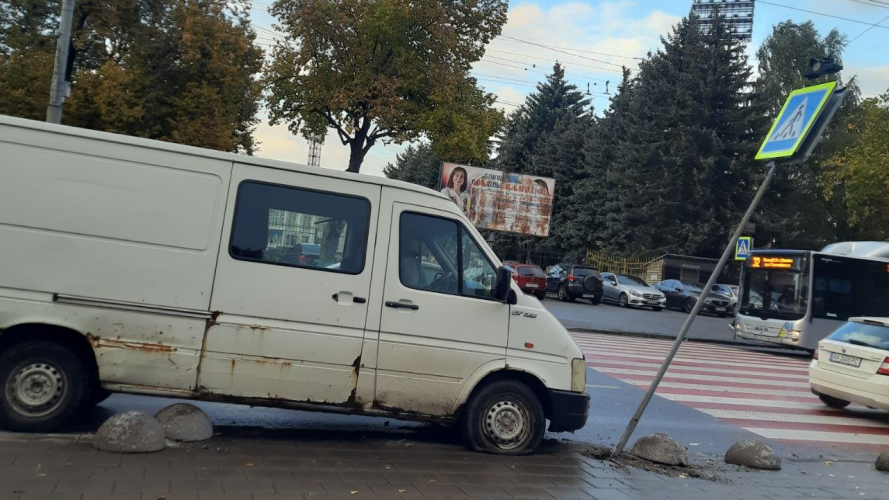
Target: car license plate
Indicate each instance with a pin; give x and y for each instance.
(588, 296)
(843, 359)
(531, 285)
(720, 309)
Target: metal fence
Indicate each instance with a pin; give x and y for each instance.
(646, 267)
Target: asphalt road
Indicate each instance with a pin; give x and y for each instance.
(612, 318)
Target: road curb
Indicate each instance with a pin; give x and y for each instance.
(622, 333)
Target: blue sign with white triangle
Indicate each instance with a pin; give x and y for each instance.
(743, 247)
(794, 121)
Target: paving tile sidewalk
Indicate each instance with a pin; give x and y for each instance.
(249, 464)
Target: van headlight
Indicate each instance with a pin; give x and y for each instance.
(578, 375)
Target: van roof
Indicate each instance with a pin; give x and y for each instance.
(209, 153)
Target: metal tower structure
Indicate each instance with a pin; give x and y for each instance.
(315, 144)
(738, 13)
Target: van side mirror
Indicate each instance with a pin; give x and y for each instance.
(504, 286)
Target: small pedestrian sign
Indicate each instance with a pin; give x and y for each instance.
(743, 247)
(795, 120)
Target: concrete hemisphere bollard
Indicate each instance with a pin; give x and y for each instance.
(883, 462)
(186, 423)
(130, 432)
(662, 449)
(753, 454)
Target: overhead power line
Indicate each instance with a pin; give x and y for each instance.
(579, 78)
(819, 13)
(871, 3)
(868, 29)
(554, 49)
(571, 49)
(549, 59)
(525, 67)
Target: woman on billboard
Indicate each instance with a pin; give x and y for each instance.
(457, 186)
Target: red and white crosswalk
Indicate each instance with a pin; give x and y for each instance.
(764, 393)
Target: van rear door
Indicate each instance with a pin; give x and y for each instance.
(292, 286)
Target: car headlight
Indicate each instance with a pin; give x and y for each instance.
(634, 293)
(578, 375)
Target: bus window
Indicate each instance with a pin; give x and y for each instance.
(779, 294)
(845, 288)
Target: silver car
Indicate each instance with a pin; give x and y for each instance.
(627, 290)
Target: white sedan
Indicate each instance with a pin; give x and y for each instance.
(852, 365)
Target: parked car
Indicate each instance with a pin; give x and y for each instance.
(145, 267)
(627, 290)
(727, 291)
(684, 296)
(570, 282)
(309, 253)
(530, 278)
(852, 365)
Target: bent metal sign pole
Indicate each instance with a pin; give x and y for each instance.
(792, 138)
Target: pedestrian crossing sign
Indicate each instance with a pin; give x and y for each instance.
(795, 120)
(743, 247)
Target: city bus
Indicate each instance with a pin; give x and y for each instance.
(798, 297)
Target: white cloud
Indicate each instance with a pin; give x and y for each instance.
(872, 80)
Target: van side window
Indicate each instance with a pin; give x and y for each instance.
(479, 278)
(438, 255)
(427, 258)
(300, 228)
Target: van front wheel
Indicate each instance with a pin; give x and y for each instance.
(504, 418)
(43, 386)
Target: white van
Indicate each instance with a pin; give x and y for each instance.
(136, 266)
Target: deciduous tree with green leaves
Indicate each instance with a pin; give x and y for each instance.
(863, 169)
(385, 71)
(176, 70)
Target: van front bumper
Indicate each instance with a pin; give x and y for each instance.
(569, 410)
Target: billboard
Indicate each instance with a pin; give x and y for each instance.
(500, 201)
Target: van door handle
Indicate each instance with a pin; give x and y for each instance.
(346, 295)
(402, 305)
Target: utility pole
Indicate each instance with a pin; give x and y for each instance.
(60, 87)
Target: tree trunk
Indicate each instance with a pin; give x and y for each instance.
(358, 148)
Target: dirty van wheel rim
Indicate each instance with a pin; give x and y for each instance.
(507, 424)
(36, 389)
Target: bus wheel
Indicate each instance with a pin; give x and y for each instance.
(504, 418)
(44, 384)
(833, 402)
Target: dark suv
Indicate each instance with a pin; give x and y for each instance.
(574, 281)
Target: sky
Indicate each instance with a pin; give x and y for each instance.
(593, 39)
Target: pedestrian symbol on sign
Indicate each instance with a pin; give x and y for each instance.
(793, 127)
(742, 249)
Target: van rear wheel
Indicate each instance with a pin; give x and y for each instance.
(43, 385)
(504, 418)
